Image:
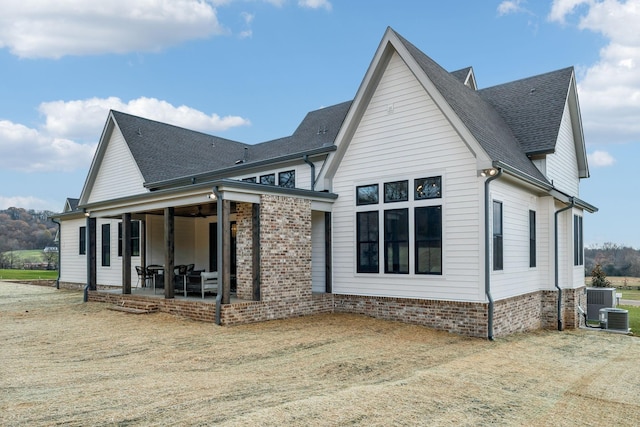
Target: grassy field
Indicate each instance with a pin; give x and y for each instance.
(35, 255)
(28, 274)
(634, 318)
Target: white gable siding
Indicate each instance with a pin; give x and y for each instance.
(318, 263)
(404, 135)
(73, 266)
(118, 175)
(562, 166)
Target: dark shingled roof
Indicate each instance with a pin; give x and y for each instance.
(318, 129)
(73, 204)
(523, 102)
(462, 74)
(509, 121)
(164, 152)
(483, 121)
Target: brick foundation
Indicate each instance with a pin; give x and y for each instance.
(523, 313)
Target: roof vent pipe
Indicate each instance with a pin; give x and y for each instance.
(487, 250)
(556, 256)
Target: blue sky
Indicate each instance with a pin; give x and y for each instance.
(250, 70)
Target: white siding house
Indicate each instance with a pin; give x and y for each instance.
(424, 199)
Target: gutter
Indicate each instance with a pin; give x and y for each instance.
(557, 269)
(220, 257)
(59, 254)
(235, 169)
(487, 249)
(313, 171)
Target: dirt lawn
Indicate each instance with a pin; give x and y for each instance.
(65, 362)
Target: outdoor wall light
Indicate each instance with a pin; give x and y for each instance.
(212, 196)
(489, 172)
(87, 214)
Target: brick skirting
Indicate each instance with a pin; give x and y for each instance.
(536, 310)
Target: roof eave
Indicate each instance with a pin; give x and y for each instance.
(222, 173)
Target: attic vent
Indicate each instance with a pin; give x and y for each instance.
(139, 132)
(322, 130)
(532, 91)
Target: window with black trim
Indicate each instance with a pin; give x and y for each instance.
(367, 230)
(532, 239)
(427, 188)
(82, 241)
(428, 239)
(497, 236)
(287, 179)
(135, 238)
(367, 194)
(397, 191)
(106, 245)
(578, 244)
(396, 241)
(269, 179)
(249, 179)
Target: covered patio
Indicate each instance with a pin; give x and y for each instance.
(257, 239)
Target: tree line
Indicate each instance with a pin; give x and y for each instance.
(613, 259)
(22, 229)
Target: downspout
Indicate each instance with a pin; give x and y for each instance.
(557, 268)
(85, 297)
(59, 254)
(313, 171)
(487, 250)
(219, 255)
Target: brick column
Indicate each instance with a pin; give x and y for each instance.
(285, 249)
(244, 251)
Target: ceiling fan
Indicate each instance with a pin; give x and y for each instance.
(199, 213)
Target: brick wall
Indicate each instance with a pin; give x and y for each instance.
(462, 318)
(285, 249)
(196, 310)
(244, 251)
(517, 314)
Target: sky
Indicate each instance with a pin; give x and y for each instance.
(249, 70)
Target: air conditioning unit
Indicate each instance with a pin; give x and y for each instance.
(615, 319)
(598, 298)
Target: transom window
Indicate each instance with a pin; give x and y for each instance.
(397, 191)
(269, 179)
(428, 188)
(287, 179)
(367, 194)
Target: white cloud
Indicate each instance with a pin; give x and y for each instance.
(609, 90)
(55, 147)
(600, 159)
(561, 8)
(52, 29)
(82, 119)
(315, 4)
(29, 150)
(510, 6)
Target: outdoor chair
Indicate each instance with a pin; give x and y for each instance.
(181, 272)
(209, 282)
(143, 276)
